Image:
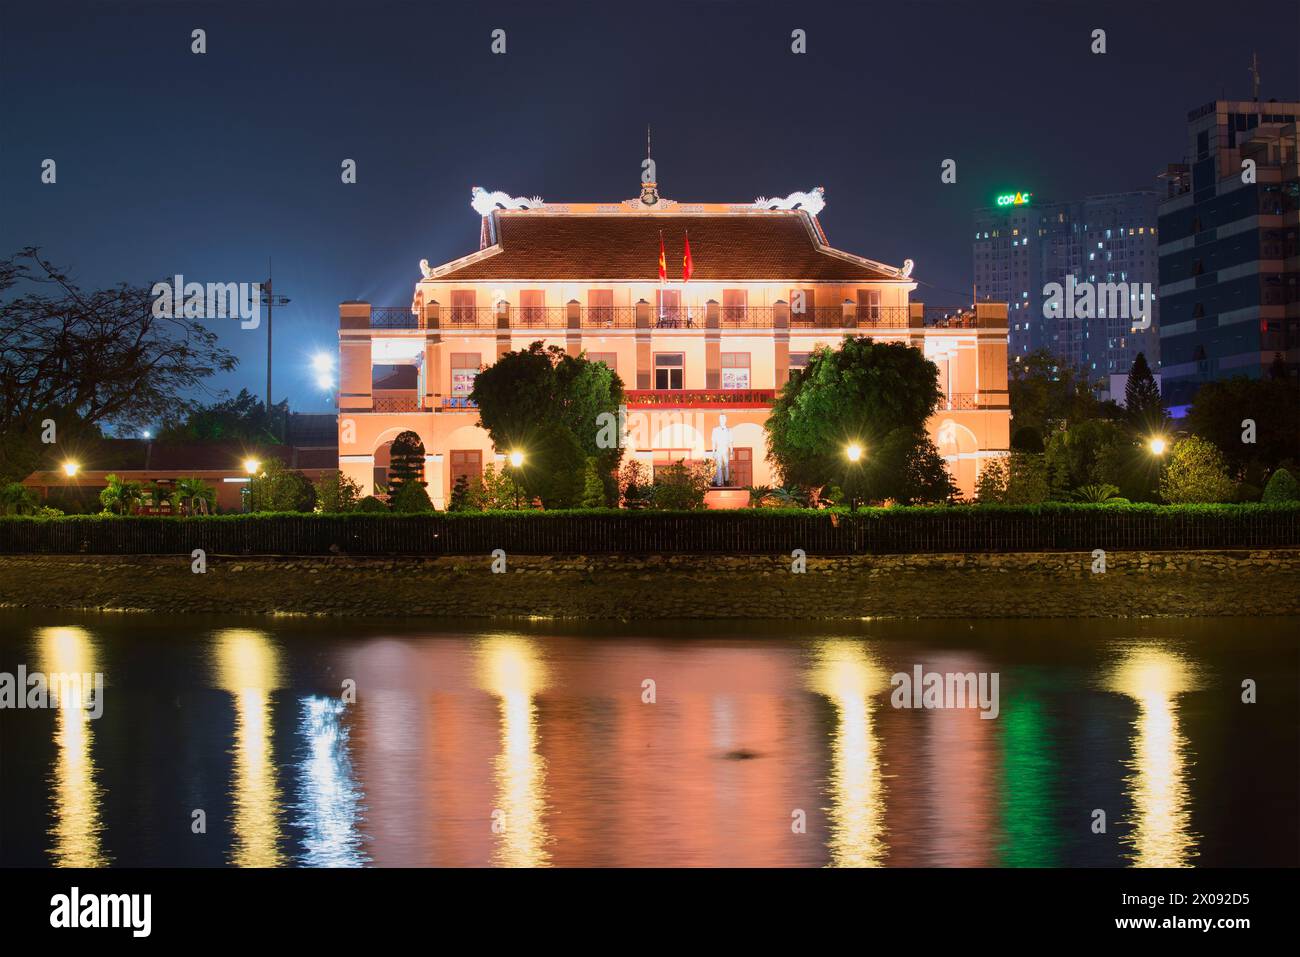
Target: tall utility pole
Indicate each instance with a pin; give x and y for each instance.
(270, 300)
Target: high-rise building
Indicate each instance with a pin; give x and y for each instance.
(1229, 268)
(1023, 246)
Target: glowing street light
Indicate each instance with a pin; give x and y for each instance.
(854, 452)
(251, 466)
(516, 459)
(71, 468)
(1157, 446)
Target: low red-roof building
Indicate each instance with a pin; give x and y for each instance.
(766, 290)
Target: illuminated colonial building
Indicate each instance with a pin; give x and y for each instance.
(766, 289)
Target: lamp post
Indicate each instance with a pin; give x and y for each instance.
(516, 462)
(1157, 445)
(251, 466)
(70, 469)
(853, 452)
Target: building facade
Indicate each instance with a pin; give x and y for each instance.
(1229, 266)
(765, 291)
(1022, 246)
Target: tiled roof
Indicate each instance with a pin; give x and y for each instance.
(755, 247)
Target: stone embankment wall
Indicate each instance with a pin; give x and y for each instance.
(1064, 584)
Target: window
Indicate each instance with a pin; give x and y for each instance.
(600, 309)
(609, 358)
(735, 370)
(668, 370)
(868, 305)
(464, 367)
(467, 463)
(734, 302)
(532, 307)
(798, 361)
(462, 307)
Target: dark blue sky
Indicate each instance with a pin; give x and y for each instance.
(207, 165)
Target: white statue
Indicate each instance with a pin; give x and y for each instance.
(721, 452)
(906, 271)
(426, 269)
(484, 202)
(812, 202)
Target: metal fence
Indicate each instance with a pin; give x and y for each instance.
(884, 531)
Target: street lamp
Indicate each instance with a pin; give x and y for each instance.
(516, 460)
(1157, 445)
(251, 466)
(70, 468)
(853, 452)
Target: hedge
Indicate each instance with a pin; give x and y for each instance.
(983, 528)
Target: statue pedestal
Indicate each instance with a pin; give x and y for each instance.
(726, 498)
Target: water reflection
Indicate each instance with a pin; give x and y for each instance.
(329, 799)
(77, 834)
(845, 673)
(511, 669)
(247, 665)
(1157, 784)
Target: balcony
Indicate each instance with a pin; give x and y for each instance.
(699, 398)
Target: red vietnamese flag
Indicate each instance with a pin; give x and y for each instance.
(663, 263)
(688, 266)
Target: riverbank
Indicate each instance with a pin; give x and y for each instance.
(1020, 585)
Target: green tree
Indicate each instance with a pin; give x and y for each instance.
(405, 463)
(1282, 487)
(1196, 472)
(17, 499)
(460, 496)
(1048, 394)
(195, 496)
(681, 485)
(634, 484)
(500, 490)
(119, 496)
(370, 504)
(411, 498)
(862, 393)
(241, 419)
(1083, 455)
(336, 492)
(83, 359)
(593, 489)
(1143, 409)
(1252, 421)
(545, 403)
(278, 489)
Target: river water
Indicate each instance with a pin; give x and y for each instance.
(319, 742)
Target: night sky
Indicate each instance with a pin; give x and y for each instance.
(169, 162)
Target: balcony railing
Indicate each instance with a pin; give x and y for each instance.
(958, 401)
(624, 317)
(608, 317)
(699, 398)
(393, 317)
(396, 400)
